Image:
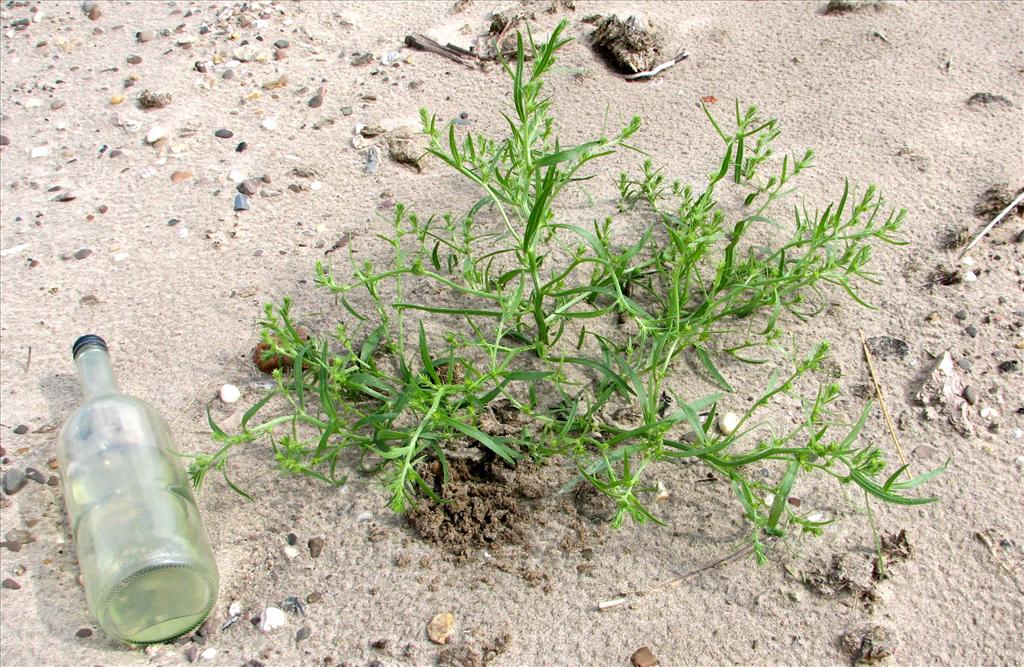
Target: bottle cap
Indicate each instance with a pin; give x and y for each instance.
(87, 339)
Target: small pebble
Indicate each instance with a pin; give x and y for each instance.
(84, 633)
(728, 423)
(241, 202)
(1009, 366)
(303, 633)
(223, 134)
(208, 654)
(21, 429)
(14, 481)
(35, 475)
(971, 331)
(964, 363)
(145, 36)
(10, 584)
(192, 653)
(969, 276)
(241, 146)
(39, 151)
(269, 124)
(1020, 462)
(643, 657)
(229, 393)
(134, 59)
(83, 253)
(4, 140)
(290, 552)
(94, 13)
(441, 627)
(282, 44)
(155, 134)
(989, 413)
(180, 176)
(249, 186)
(57, 104)
(971, 395)
(961, 314)
(316, 547)
(228, 75)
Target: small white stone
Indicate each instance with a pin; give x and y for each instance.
(269, 124)
(208, 654)
(229, 393)
(967, 260)
(155, 134)
(236, 176)
(33, 103)
(1020, 462)
(969, 277)
(1017, 433)
(364, 517)
(290, 552)
(37, 17)
(660, 492)
(272, 618)
(989, 413)
(235, 608)
(120, 256)
(315, 185)
(728, 422)
(39, 151)
(60, 125)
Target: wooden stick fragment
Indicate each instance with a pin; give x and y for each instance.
(683, 55)
(881, 399)
(1014, 204)
(424, 43)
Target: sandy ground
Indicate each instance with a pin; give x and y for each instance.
(881, 95)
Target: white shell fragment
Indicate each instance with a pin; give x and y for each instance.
(155, 134)
(229, 393)
(272, 618)
(728, 422)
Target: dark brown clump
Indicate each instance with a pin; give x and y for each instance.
(870, 645)
(627, 45)
(150, 100)
(895, 548)
(992, 202)
(269, 364)
(847, 6)
(482, 508)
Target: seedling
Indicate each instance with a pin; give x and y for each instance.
(557, 324)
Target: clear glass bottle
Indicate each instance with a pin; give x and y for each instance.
(145, 558)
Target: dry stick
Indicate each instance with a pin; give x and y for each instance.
(1014, 204)
(622, 599)
(663, 66)
(424, 43)
(881, 399)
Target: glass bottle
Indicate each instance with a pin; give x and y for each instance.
(145, 558)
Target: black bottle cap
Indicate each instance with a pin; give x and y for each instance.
(87, 339)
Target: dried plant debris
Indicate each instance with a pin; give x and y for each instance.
(941, 392)
(847, 6)
(407, 147)
(988, 99)
(957, 238)
(504, 20)
(944, 276)
(151, 100)
(628, 45)
(895, 548)
(887, 347)
(474, 655)
(832, 580)
(993, 201)
(461, 6)
(869, 645)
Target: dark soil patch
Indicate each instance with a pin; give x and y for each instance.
(484, 506)
(992, 201)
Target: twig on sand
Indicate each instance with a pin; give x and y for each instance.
(683, 55)
(620, 600)
(995, 221)
(881, 399)
(424, 43)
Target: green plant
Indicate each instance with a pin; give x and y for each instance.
(512, 280)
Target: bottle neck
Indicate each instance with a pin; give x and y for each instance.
(95, 372)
